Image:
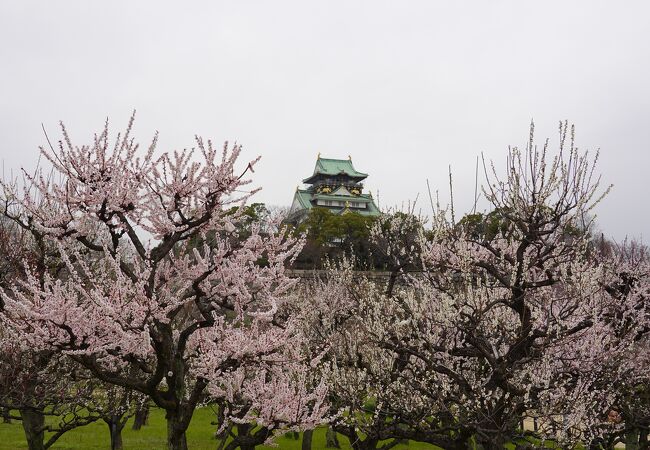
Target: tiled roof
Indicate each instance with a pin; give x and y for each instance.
(332, 167)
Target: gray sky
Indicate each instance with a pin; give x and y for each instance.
(407, 88)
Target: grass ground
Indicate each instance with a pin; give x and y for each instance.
(153, 436)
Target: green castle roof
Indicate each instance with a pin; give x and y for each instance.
(332, 167)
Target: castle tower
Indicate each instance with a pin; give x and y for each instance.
(335, 185)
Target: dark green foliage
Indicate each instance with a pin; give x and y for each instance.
(486, 227)
(255, 213)
(330, 236)
(501, 223)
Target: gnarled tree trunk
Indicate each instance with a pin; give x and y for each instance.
(34, 425)
(141, 417)
(248, 437)
(115, 426)
(307, 436)
(331, 439)
(643, 439)
(176, 428)
(366, 444)
(492, 443)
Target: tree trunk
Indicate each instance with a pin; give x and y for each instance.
(394, 274)
(34, 426)
(115, 426)
(460, 445)
(366, 444)
(331, 439)
(643, 439)
(632, 440)
(246, 439)
(141, 417)
(356, 441)
(494, 443)
(176, 439)
(6, 415)
(223, 437)
(307, 436)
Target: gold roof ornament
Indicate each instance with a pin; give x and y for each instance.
(350, 157)
(318, 156)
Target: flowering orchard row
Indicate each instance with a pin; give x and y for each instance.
(127, 279)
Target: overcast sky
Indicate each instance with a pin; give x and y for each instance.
(406, 88)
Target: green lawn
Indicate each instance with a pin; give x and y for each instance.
(153, 436)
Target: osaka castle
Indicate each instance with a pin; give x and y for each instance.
(335, 185)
